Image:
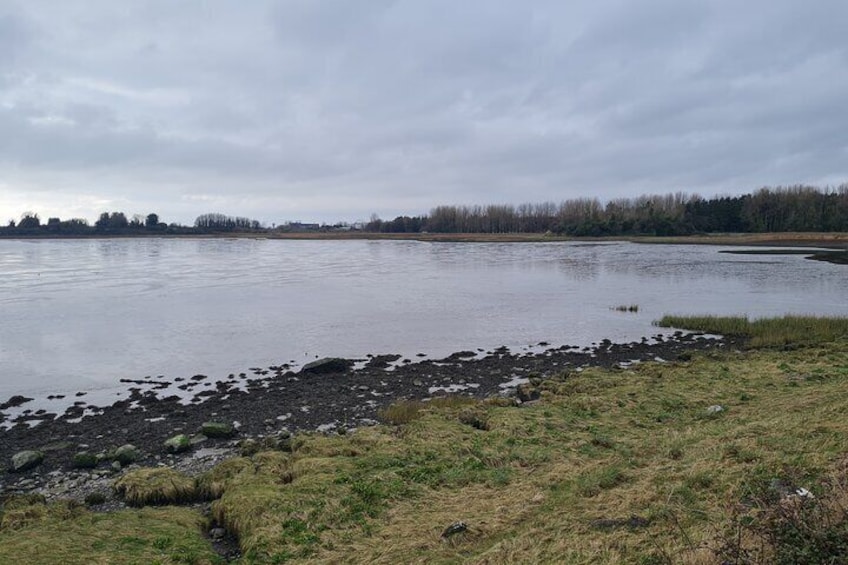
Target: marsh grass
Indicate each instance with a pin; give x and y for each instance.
(156, 486)
(633, 308)
(766, 332)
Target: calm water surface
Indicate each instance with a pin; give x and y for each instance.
(79, 315)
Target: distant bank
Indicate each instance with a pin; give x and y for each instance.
(829, 240)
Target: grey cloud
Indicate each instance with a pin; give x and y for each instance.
(332, 109)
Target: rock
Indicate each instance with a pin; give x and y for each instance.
(460, 355)
(116, 466)
(453, 529)
(327, 365)
(14, 402)
(84, 460)
(57, 446)
(26, 460)
(217, 430)
(126, 454)
(217, 534)
(177, 444)
(715, 409)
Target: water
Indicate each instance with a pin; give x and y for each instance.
(80, 315)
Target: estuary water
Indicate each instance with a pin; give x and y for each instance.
(78, 315)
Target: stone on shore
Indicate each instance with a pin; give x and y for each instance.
(14, 402)
(126, 454)
(177, 444)
(217, 430)
(327, 365)
(84, 460)
(26, 460)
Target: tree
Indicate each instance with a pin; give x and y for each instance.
(151, 221)
(29, 221)
(113, 221)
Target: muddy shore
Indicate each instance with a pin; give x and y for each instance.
(279, 400)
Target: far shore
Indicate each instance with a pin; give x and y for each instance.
(830, 240)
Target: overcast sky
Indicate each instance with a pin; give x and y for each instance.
(323, 110)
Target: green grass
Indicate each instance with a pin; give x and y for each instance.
(61, 533)
(766, 332)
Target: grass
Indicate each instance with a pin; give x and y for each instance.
(405, 411)
(766, 332)
(62, 533)
(601, 446)
(610, 466)
(160, 485)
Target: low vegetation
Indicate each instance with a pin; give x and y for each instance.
(728, 457)
(405, 411)
(34, 533)
(160, 485)
(788, 331)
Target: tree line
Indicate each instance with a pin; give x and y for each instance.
(117, 223)
(781, 209)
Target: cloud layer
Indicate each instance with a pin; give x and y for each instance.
(331, 109)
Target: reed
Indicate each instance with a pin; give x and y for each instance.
(766, 332)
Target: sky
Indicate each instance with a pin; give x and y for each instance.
(334, 110)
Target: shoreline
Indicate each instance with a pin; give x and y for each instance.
(284, 402)
(831, 240)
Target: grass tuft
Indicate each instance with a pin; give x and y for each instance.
(156, 486)
(405, 411)
(211, 484)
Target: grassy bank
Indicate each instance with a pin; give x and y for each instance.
(788, 331)
(696, 461)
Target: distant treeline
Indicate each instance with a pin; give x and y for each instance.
(781, 209)
(117, 223)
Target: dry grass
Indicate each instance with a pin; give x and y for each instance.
(405, 411)
(160, 485)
